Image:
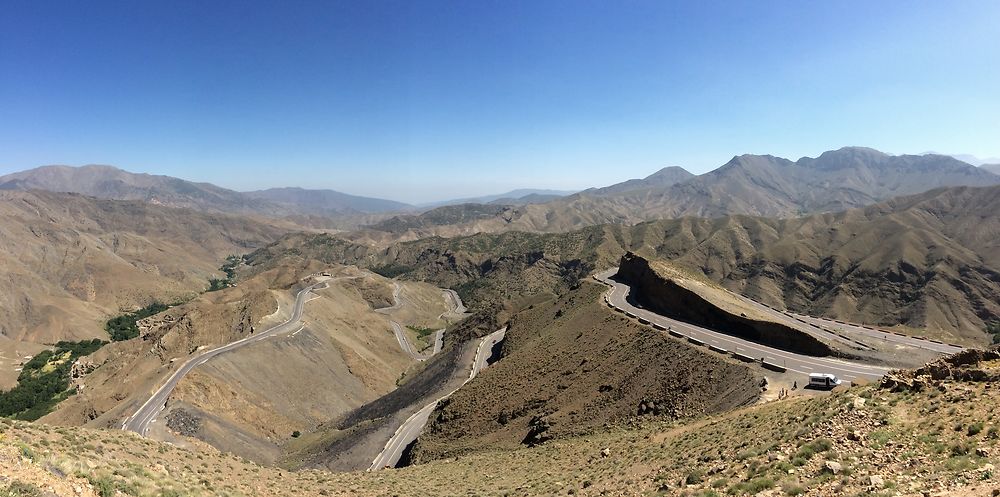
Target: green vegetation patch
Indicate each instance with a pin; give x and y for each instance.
(993, 328)
(44, 380)
(422, 332)
(229, 267)
(124, 328)
(391, 270)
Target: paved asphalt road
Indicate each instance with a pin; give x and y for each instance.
(456, 301)
(397, 329)
(411, 428)
(794, 363)
(884, 336)
(140, 420)
(438, 341)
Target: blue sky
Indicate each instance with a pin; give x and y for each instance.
(420, 101)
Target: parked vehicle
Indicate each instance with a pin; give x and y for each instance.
(823, 380)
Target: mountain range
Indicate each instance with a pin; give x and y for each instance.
(519, 196)
(759, 185)
(112, 183)
(901, 242)
(928, 261)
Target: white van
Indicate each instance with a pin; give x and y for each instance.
(823, 380)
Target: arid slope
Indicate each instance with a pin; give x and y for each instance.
(569, 366)
(940, 440)
(69, 262)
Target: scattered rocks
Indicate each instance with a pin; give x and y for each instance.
(959, 367)
(183, 422)
(832, 467)
(537, 428)
(649, 407)
(876, 481)
(605, 452)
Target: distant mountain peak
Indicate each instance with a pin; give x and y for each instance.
(675, 171)
(858, 150)
(666, 177)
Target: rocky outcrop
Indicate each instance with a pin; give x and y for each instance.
(963, 366)
(665, 296)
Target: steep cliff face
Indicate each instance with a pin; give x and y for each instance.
(660, 292)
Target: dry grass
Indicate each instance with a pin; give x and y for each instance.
(942, 441)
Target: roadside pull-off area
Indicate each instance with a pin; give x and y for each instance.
(411, 428)
(139, 421)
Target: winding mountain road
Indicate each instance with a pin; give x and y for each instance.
(411, 428)
(450, 297)
(139, 421)
(617, 297)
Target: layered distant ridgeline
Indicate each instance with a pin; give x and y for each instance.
(760, 185)
(112, 183)
(924, 261)
(513, 197)
(69, 262)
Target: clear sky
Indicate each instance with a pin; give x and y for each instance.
(419, 101)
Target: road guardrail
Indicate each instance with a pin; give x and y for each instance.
(773, 367)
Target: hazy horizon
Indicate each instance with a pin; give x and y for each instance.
(423, 103)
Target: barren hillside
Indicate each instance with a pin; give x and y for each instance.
(250, 401)
(69, 262)
(931, 432)
(568, 367)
